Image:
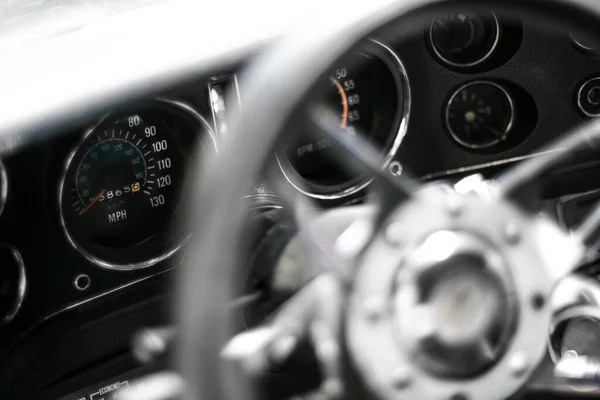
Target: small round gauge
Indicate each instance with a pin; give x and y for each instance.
(464, 39)
(369, 91)
(581, 337)
(480, 115)
(122, 185)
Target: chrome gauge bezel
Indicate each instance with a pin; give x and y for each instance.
(471, 64)
(456, 92)
(355, 186)
(206, 136)
(21, 285)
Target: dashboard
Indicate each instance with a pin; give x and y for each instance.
(92, 222)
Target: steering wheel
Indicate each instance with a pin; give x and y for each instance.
(421, 293)
(407, 286)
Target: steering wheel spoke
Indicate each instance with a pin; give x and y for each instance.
(517, 183)
(316, 313)
(357, 155)
(321, 247)
(588, 231)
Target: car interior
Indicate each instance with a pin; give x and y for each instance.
(392, 199)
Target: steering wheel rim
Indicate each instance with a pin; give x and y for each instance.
(261, 121)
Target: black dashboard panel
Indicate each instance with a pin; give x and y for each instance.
(30, 223)
(547, 65)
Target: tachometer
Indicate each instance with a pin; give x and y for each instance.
(122, 184)
(370, 92)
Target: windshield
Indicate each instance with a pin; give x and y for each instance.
(25, 20)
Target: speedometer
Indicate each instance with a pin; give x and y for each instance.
(124, 174)
(122, 185)
(370, 92)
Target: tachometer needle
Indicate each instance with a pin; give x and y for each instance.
(94, 200)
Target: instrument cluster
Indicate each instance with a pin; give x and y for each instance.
(469, 92)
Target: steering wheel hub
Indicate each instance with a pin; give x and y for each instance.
(452, 303)
(454, 277)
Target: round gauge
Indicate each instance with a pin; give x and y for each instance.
(588, 97)
(464, 39)
(480, 115)
(122, 184)
(581, 337)
(369, 91)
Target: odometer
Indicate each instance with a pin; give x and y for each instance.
(122, 186)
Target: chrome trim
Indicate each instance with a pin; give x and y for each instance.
(402, 130)
(471, 64)
(476, 167)
(3, 186)
(264, 201)
(579, 93)
(580, 311)
(136, 265)
(506, 130)
(236, 87)
(100, 295)
(578, 43)
(79, 286)
(22, 285)
(218, 101)
(217, 108)
(190, 110)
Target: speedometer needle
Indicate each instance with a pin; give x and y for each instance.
(94, 200)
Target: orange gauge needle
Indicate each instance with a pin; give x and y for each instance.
(94, 200)
(342, 93)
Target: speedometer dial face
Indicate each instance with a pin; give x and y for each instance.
(124, 175)
(369, 91)
(122, 184)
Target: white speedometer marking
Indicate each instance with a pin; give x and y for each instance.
(138, 142)
(151, 166)
(127, 135)
(147, 153)
(147, 192)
